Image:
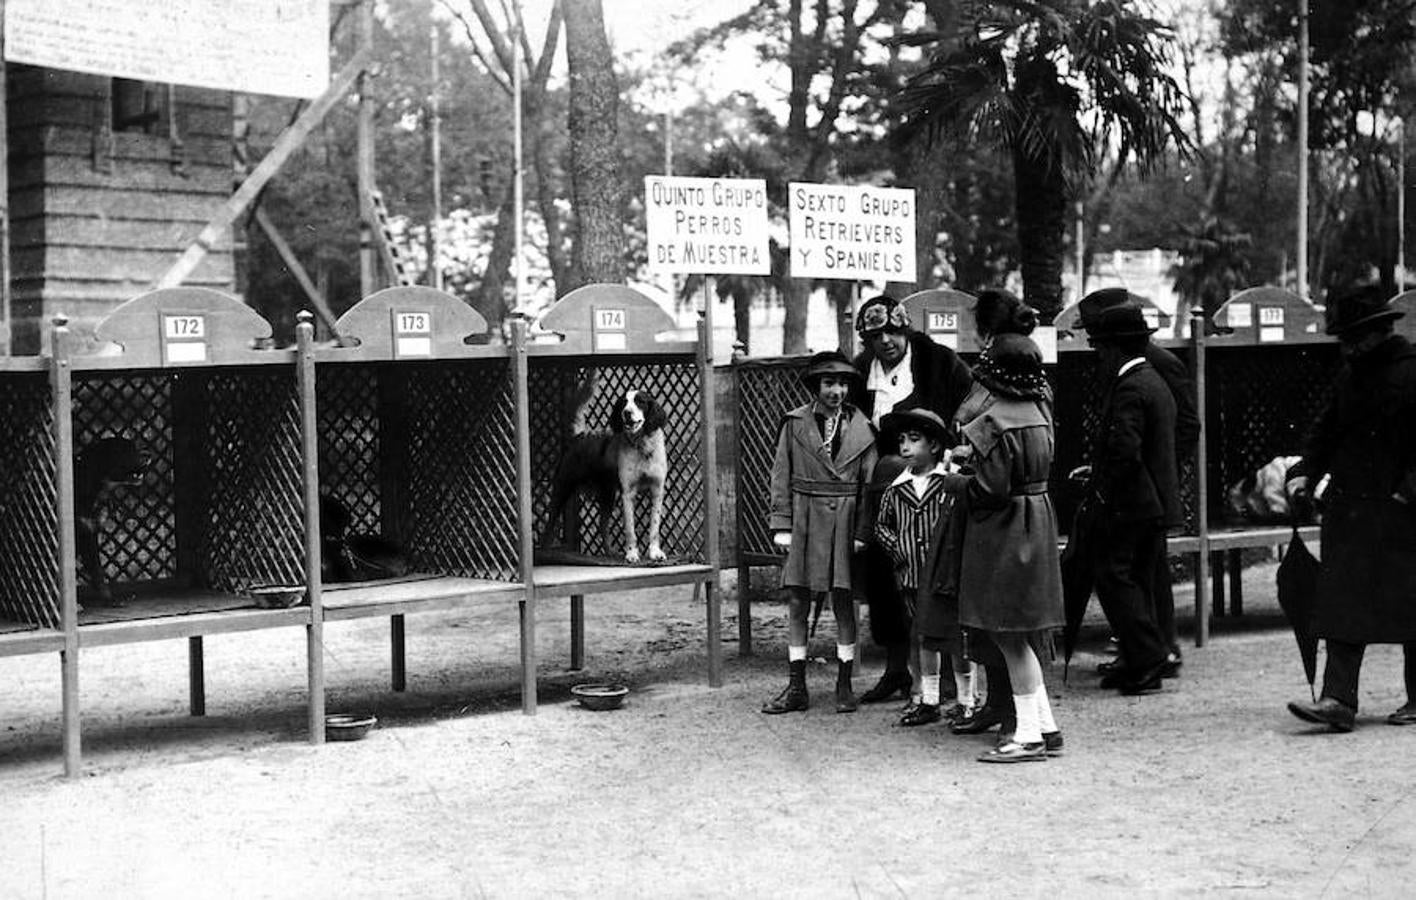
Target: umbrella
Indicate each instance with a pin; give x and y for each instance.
(1077, 579)
(1298, 595)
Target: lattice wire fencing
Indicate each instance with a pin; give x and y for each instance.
(137, 534)
(767, 388)
(424, 455)
(29, 546)
(674, 383)
(219, 504)
(1261, 403)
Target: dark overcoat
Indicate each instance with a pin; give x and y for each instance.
(1134, 473)
(1365, 440)
(818, 498)
(1182, 390)
(941, 382)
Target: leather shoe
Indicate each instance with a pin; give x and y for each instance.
(1147, 682)
(1013, 752)
(982, 719)
(1111, 666)
(1171, 667)
(1052, 743)
(1333, 713)
(955, 713)
(1404, 716)
(921, 714)
(792, 699)
(889, 685)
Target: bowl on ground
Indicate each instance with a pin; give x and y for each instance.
(600, 696)
(344, 727)
(276, 596)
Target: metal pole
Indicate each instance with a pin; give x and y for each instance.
(1081, 253)
(1303, 149)
(669, 142)
(5, 337)
(518, 182)
(434, 270)
(365, 172)
(310, 485)
(1400, 205)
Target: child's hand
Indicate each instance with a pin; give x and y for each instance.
(782, 538)
(858, 545)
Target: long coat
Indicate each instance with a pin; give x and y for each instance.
(1134, 474)
(818, 497)
(1009, 575)
(1365, 440)
(941, 382)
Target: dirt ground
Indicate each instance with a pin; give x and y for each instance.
(1208, 787)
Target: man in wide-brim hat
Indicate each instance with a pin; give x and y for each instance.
(1365, 442)
(1134, 496)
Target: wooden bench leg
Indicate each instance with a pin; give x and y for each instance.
(1236, 582)
(528, 656)
(1217, 580)
(714, 606)
(744, 602)
(577, 632)
(196, 675)
(69, 676)
(399, 648)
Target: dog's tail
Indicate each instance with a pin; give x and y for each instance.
(579, 402)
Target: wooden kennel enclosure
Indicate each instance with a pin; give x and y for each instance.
(421, 430)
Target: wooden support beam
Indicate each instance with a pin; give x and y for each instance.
(292, 262)
(288, 142)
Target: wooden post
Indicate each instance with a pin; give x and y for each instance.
(399, 662)
(577, 632)
(310, 450)
(525, 523)
(196, 675)
(61, 385)
(744, 571)
(710, 494)
(4, 201)
(1202, 577)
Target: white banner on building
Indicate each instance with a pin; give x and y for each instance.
(853, 232)
(707, 225)
(254, 46)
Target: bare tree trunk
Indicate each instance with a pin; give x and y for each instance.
(1042, 222)
(490, 299)
(742, 315)
(598, 254)
(794, 299)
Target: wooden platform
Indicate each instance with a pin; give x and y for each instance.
(567, 581)
(19, 639)
(173, 612)
(412, 593)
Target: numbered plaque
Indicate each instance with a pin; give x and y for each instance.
(412, 334)
(943, 327)
(609, 328)
(184, 338)
(1270, 324)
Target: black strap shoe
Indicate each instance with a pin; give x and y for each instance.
(890, 685)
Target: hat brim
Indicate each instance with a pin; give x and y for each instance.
(845, 371)
(898, 422)
(1337, 329)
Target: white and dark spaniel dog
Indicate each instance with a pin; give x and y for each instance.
(631, 457)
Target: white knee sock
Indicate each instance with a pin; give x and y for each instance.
(1028, 732)
(796, 654)
(845, 652)
(964, 687)
(929, 690)
(1046, 724)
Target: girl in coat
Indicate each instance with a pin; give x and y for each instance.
(824, 459)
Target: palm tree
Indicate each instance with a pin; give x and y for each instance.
(1056, 85)
(1214, 264)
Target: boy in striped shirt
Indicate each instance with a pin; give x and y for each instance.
(913, 506)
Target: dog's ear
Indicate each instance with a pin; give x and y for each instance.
(654, 416)
(617, 414)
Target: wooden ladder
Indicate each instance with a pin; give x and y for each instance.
(394, 258)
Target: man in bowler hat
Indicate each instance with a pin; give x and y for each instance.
(1365, 442)
(1177, 378)
(1135, 492)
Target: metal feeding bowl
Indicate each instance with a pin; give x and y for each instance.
(600, 696)
(348, 727)
(277, 596)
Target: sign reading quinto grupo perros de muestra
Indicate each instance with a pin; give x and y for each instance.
(854, 232)
(707, 225)
(255, 46)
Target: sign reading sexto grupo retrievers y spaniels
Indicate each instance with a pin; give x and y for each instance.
(707, 225)
(854, 232)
